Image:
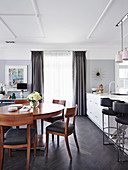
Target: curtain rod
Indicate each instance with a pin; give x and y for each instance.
(59, 50)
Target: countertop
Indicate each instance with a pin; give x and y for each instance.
(111, 96)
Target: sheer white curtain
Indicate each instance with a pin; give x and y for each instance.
(58, 76)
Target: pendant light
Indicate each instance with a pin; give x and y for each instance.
(118, 58)
(123, 54)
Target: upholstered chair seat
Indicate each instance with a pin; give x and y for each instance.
(18, 136)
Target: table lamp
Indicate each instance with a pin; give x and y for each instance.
(22, 87)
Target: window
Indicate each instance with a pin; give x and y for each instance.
(122, 77)
(58, 76)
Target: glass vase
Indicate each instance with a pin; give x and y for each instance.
(34, 104)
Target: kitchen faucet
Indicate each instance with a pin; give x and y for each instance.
(110, 86)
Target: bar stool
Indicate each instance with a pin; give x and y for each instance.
(106, 102)
(122, 118)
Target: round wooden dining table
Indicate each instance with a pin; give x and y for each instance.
(44, 110)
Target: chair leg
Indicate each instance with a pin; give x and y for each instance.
(1, 157)
(47, 140)
(76, 140)
(52, 138)
(42, 126)
(9, 151)
(1, 148)
(67, 145)
(28, 157)
(58, 140)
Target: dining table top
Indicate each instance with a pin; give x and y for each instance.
(44, 110)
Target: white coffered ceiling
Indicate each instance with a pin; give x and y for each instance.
(62, 21)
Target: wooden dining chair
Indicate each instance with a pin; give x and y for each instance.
(17, 138)
(65, 129)
(56, 118)
(22, 102)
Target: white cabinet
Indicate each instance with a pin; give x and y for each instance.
(94, 110)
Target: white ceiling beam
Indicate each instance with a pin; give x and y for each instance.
(4, 23)
(36, 10)
(99, 19)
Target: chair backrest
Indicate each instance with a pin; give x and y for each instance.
(62, 102)
(21, 102)
(106, 102)
(16, 119)
(120, 107)
(70, 112)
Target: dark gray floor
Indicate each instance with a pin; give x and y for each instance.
(93, 154)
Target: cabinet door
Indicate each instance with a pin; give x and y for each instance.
(97, 112)
(90, 107)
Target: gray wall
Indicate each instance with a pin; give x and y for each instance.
(106, 67)
(107, 70)
(15, 62)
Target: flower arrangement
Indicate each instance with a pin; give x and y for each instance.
(34, 98)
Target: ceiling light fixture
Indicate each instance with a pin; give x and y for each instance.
(10, 42)
(123, 54)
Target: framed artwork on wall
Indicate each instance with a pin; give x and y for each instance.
(15, 74)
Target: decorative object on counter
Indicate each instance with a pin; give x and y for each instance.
(22, 87)
(14, 75)
(98, 74)
(98, 90)
(34, 98)
(13, 96)
(94, 90)
(101, 88)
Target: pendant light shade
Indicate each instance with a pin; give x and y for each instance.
(118, 58)
(125, 54)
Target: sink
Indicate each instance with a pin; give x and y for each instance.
(119, 94)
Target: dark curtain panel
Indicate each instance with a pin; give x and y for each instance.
(37, 71)
(79, 81)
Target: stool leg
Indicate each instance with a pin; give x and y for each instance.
(108, 126)
(118, 143)
(103, 126)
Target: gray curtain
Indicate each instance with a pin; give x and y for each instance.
(37, 71)
(79, 81)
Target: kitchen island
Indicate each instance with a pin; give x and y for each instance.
(94, 112)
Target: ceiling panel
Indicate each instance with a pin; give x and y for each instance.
(23, 26)
(69, 21)
(16, 7)
(4, 33)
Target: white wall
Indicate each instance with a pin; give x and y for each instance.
(22, 51)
